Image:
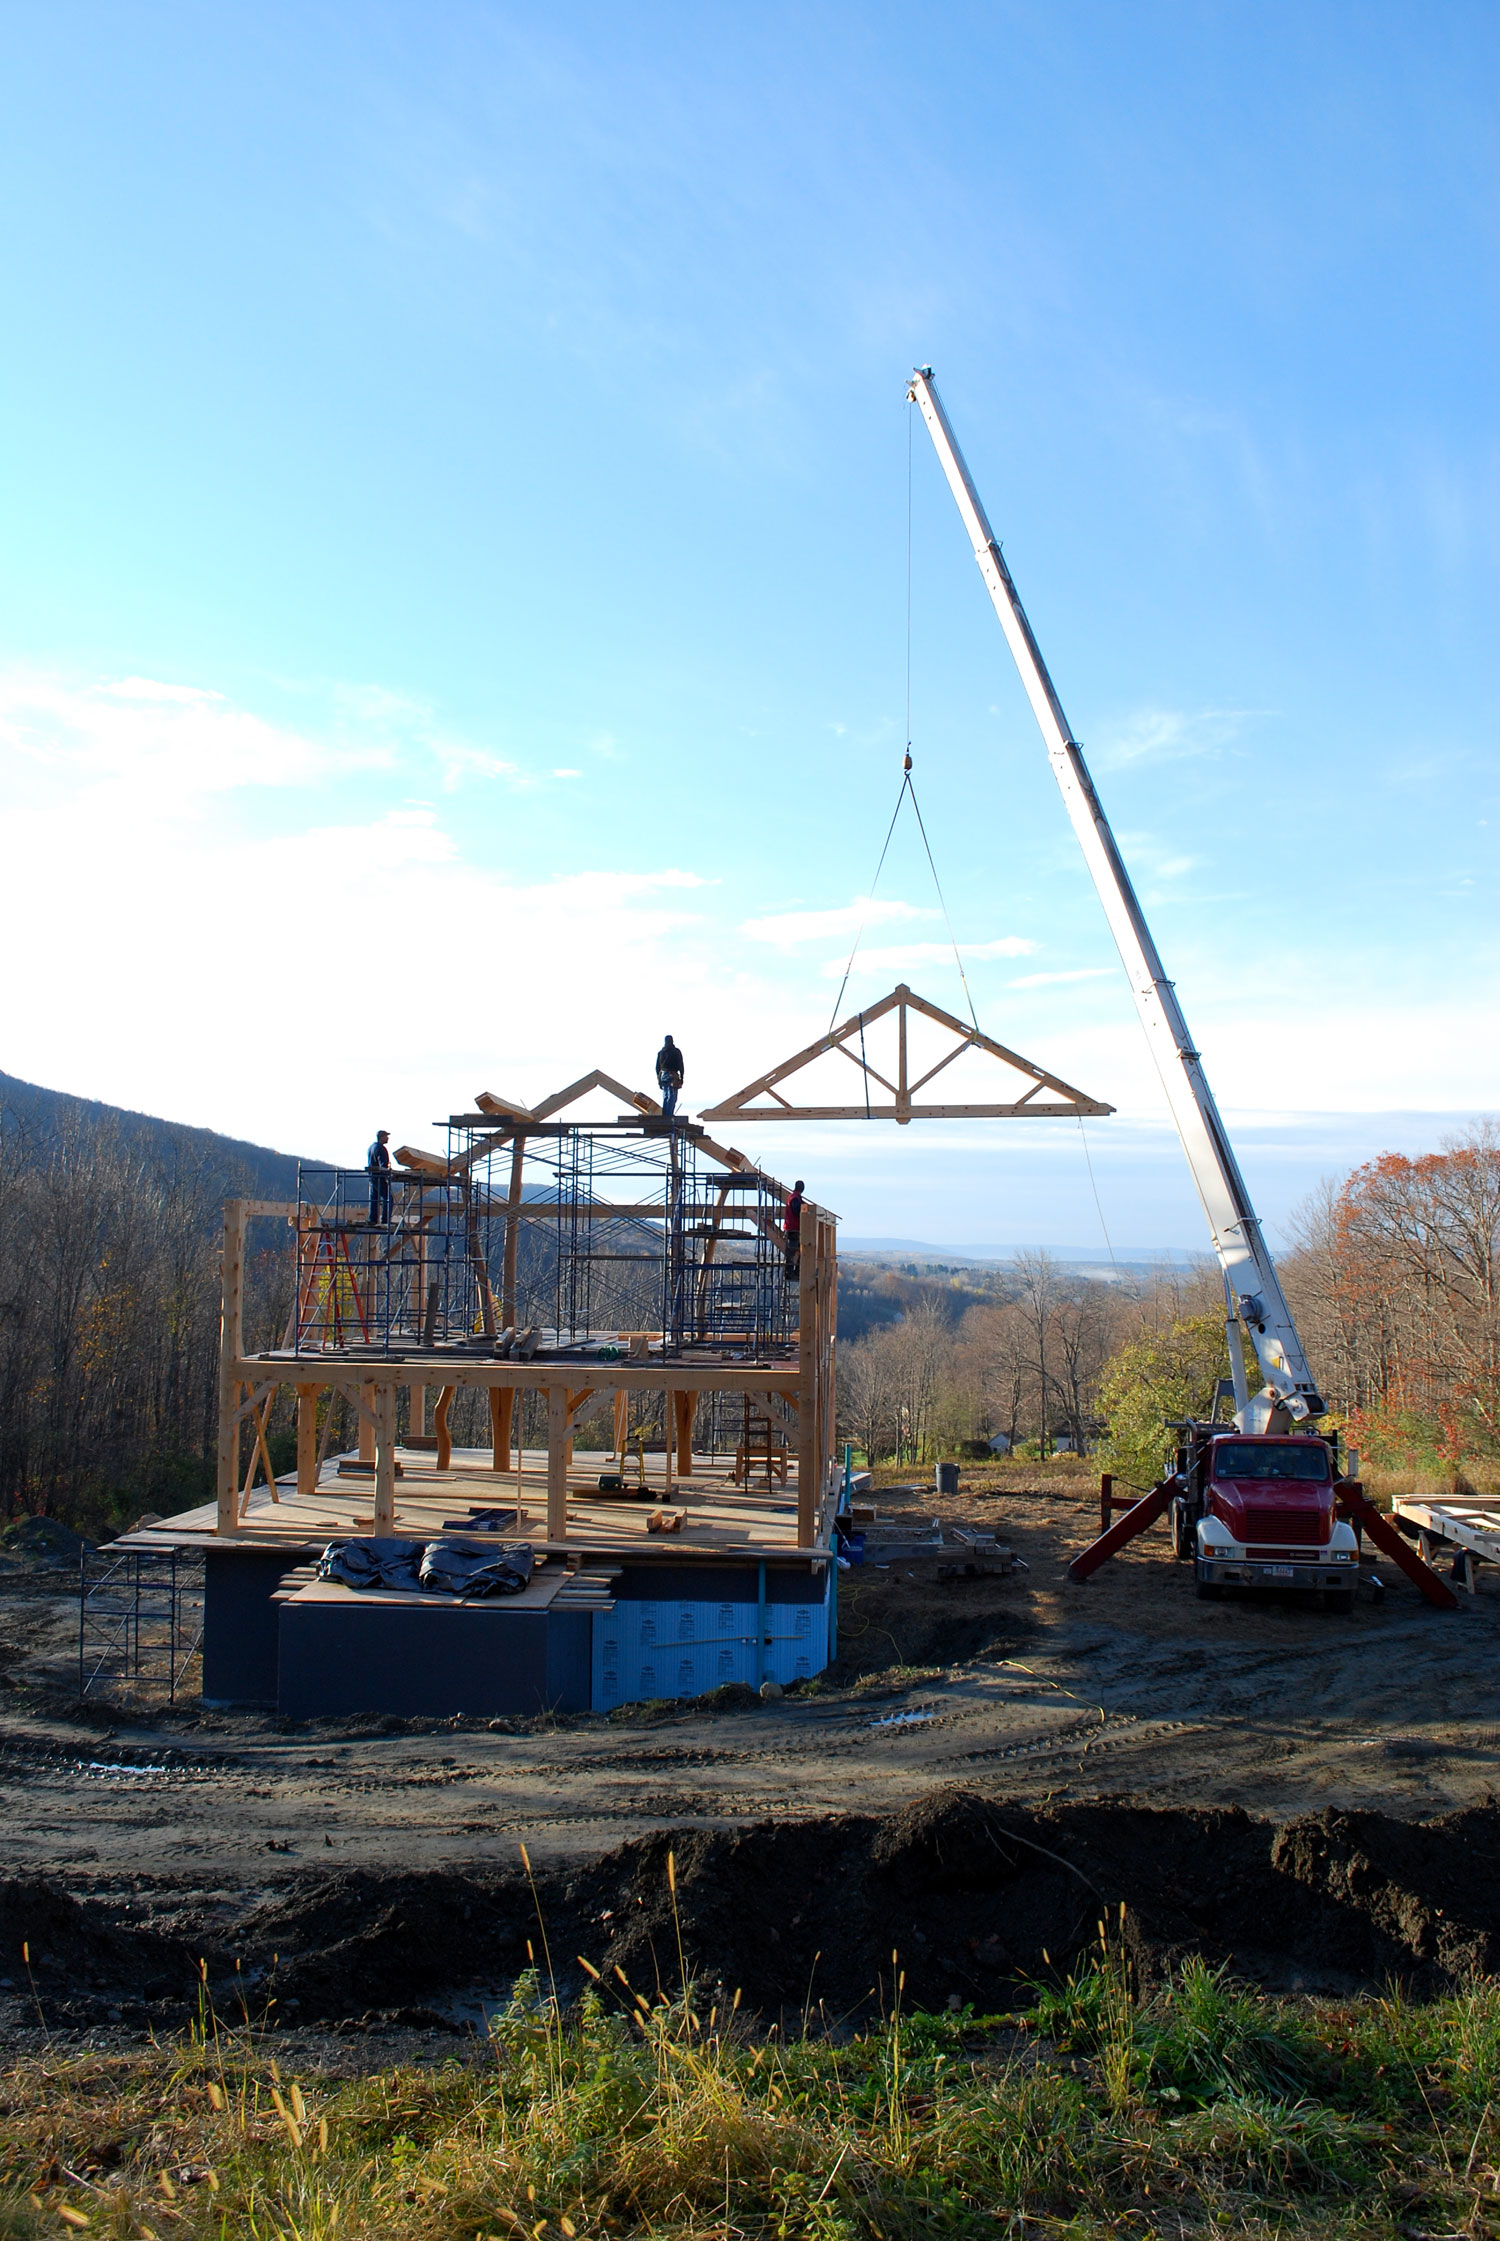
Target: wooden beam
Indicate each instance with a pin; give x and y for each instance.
(367, 1423)
(685, 1405)
(510, 1107)
(646, 1374)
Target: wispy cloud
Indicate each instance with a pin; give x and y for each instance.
(788, 928)
(1164, 735)
(1054, 980)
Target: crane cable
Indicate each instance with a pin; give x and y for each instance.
(907, 787)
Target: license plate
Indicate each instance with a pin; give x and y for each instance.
(1281, 1571)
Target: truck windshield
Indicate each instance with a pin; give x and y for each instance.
(1302, 1459)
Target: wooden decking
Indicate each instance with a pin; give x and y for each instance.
(719, 1519)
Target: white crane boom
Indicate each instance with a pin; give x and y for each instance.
(1249, 1272)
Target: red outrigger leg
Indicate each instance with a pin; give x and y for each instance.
(1356, 1505)
(1137, 1517)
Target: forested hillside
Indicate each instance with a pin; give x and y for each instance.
(109, 1302)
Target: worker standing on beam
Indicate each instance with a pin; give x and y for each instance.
(378, 1168)
(669, 1072)
(791, 1230)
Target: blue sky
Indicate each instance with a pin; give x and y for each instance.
(452, 592)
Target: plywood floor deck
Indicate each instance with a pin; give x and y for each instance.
(719, 1517)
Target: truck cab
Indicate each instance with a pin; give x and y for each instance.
(1262, 1513)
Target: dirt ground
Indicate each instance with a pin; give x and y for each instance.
(1245, 1774)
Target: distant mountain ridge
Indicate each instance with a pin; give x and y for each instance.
(1136, 1258)
(251, 1170)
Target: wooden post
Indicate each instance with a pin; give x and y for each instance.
(512, 1227)
(307, 1439)
(502, 1403)
(416, 1411)
(686, 1404)
(622, 1422)
(366, 1424)
(440, 1426)
(231, 1345)
(807, 1379)
(557, 1463)
(385, 1457)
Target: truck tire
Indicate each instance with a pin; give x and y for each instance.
(1184, 1536)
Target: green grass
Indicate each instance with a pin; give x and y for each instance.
(1195, 2107)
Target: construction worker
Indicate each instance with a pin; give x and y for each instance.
(791, 1230)
(378, 1168)
(669, 1071)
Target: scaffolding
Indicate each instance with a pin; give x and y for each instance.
(140, 1618)
(572, 1238)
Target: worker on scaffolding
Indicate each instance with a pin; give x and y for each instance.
(791, 1230)
(669, 1072)
(378, 1168)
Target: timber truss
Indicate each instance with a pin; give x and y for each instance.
(1044, 1095)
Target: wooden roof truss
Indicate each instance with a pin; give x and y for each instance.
(1048, 1097)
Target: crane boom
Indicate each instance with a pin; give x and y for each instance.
(1249, 1272)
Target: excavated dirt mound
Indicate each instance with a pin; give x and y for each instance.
(975, 1896)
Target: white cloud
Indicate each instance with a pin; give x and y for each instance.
(567, 773)
(169, 744)
(786, 929)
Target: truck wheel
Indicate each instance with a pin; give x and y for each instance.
(1339, 1600)
(1183, 1536)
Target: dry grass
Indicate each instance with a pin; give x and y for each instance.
(1198, 2107)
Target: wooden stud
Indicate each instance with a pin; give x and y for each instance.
(557, 1464)
(684, 1404)
(416, 1411)
(367, 1424)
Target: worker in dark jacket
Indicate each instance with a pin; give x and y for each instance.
(791, 1230)
(669, 1071)
(378, 1168)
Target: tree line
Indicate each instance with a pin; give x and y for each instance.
(109, 1312)
(1392, 1274)
(109, 1325)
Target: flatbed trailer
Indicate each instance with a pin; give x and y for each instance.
(1466, 1524)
